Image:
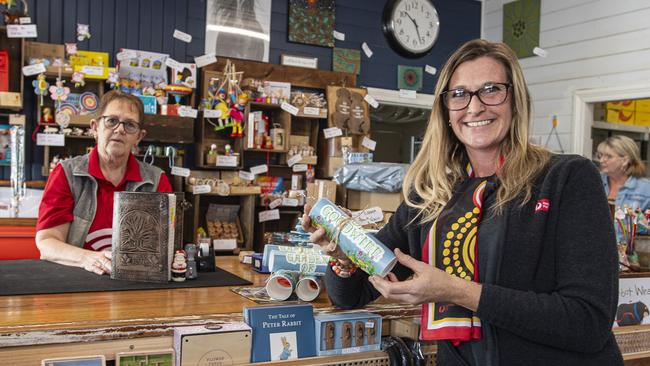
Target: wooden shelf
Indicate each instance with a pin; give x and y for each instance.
(620, 127)
(267, 150)
(169, 129)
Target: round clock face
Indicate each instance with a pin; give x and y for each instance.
(411, 26)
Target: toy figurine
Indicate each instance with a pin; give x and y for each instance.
(222, 107)
(46, 115)
(58, 92)
(113, 79)
(71, 48)
(83, 32)
(179, 266)
(228, 150)
(78, 79)
(40, 87)
(211, 158)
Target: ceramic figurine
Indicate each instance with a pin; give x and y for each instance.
(179, 266)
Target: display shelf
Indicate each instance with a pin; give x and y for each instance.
(620, 127)
(169, 129)
(283, 151)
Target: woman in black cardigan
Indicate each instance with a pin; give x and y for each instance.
(509, 248)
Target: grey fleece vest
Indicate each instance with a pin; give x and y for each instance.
(84, 191)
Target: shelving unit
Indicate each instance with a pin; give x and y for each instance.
(12, 99)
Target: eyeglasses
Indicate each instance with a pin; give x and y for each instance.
(489, 94)
(112, 123)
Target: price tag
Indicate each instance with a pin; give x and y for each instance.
(289, 108)
(21, 31)
(540, 52)
(4, 206)
(292, 202)
(372, 101)
(351, 350)
(225, 160)
(203, 188)
(25, 20)
(275, 203)
(430, 70)
(211, 113)
(93, 70)
(181, 172)
(370, 144)
(259, 169)
(370, 325)
(269, 215)
(126, 55)
(299, 168)
(224, 244)
(187, 38)
(205, 60)
(368, 216)
(170, 62)
(332, 132)
(187, 111)
(338, 35)
(246, 175)
(366, 49)
(294, 159)
(50, 139)
(311, 111)
(30, 70)
(408, 94)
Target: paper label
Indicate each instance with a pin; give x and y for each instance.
(540, 52)
(311, 111)
(430, 70)
(338, 35)
(289, 108)
(225, 160)
(293, 202)
(181, 172)
(30, 70)
(170, 62)
(205, 60)
(211, 113)
(369, 143)
(332, 132)
(408, 94)
(21, 31)
(182, 36)
(259, 169)
(372, 101)
(275, 203)
(299, 168)
(370, 325)
(203, 188)
(294, 159)
(25, 20)
(93, 70)
(346, 351)
(246, 175)
(5, 205)
(224, 244)
(368, 216)
(269, 215)
(366, 49)
(50, 139)
(126, 55)
(187, 111)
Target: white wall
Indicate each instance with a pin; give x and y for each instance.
(590, 44)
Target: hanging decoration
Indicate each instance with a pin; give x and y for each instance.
(83, 32)
(227, 97)
(40, 87)
(78, 78)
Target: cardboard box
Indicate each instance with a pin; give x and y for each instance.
(360, 200)
(11, 99)
(621, 116)
(405, 328)
(642, 118)
(625, 105)
(642, 105)
(320, 188)
(362, 330)
(335, 145)
(329, 166)
(41, 50)
(227, 344)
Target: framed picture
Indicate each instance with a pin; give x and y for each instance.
(98, 360)
(299, 61)
(149, 358)
(409, 77)
(346, 60)
(238, 28)
(312, 22)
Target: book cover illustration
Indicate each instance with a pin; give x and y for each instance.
(281, 332)
(143, 236)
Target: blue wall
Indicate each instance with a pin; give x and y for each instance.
(149, 25)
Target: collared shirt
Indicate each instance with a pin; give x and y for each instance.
(57, 204)
(635, 193)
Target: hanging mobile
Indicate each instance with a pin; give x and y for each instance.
(554, 132)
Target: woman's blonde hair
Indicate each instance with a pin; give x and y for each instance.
(625, 147)
(440, 164)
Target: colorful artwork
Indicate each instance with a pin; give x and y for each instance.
(312, 22)
(346, 60)
(521, 26)
(409, 77)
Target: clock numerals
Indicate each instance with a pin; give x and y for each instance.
(411, 26)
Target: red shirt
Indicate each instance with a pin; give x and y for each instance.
(57, 203)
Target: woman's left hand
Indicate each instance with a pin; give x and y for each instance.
(428, 284)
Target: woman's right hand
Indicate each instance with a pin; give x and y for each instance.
(319, 237)
(97, 262)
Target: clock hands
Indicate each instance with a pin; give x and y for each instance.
(417, 29)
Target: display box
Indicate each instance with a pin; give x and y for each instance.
(642, 118)
(218, 344)
(40, 50)
(621, 116)
(360, 200)
(642, 105)
(345, 333)
(11, 99)
(329, 165)
(625, 105)
(320, 188)
(93, 64)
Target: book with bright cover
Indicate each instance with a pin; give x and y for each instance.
(281, 332)
(143, 236)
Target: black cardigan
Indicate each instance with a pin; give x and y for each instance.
(556, 290)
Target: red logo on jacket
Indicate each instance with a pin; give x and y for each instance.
(542, 205)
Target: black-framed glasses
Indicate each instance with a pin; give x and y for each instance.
(112, 122)
(489, 94)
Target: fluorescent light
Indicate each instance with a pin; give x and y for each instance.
(240, 31)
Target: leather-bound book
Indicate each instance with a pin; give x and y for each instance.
(143, 236)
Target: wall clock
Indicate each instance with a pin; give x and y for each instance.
(411, 26)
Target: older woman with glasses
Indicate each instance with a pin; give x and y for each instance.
(76, 213)
(508, 248)
(623, 172)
